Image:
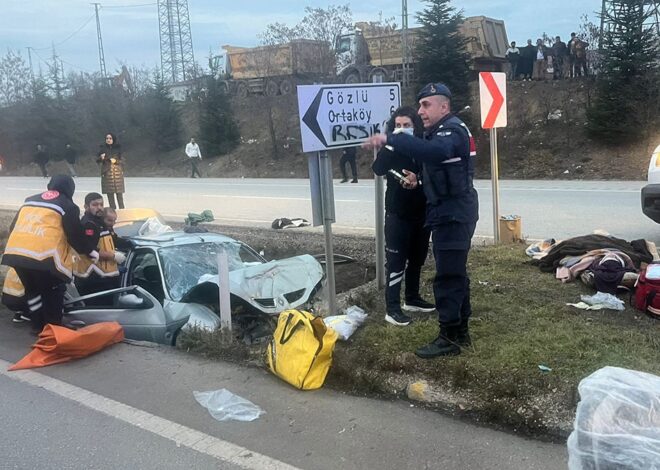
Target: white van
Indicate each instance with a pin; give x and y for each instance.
(651, 192)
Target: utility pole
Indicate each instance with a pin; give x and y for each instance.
(100, 41)
(29, 49)
(405, 62)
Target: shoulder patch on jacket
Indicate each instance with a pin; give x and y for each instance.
(89, 232)
(50, 195)
(444, 133)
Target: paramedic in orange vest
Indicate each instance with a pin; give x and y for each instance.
(103, 275)
(44, 238)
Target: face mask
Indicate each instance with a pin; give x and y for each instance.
(405, 130)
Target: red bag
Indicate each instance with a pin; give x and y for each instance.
(647, 290)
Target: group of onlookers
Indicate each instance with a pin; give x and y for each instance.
(541, 61)
(108, 157)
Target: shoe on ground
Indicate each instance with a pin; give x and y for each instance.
(345, 180)
(444, 345)
(20, 318)
(418, 305)
(463, 336)
(398, 318)
(354, 181)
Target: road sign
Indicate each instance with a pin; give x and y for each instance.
(336, 116)
(492, 96)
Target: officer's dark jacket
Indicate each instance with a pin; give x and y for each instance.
(46, 231)
(406, 203)
(447, 157)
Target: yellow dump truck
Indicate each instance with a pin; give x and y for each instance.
(369, 54)
(272, 70)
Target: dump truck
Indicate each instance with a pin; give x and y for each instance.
(272, 70)
(368, 55)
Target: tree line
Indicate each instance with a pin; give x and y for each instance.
(54, 108)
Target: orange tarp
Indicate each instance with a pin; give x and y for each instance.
(58, 344)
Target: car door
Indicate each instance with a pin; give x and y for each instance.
(135, 309)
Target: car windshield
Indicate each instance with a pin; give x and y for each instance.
(183, 265)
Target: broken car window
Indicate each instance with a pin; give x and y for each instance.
(183, 265)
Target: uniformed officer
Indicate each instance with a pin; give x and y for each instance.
(406, 237)
(447, 156)
(45, 236)
(104, 274)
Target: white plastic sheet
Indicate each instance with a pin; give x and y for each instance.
(617, 424)
(345, 325)
(224, 406)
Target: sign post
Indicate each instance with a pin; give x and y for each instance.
(338, 116)
(492, 97)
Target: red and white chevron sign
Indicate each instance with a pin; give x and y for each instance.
(492, 96)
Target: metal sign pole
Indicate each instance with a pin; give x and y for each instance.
(494, 176)
(327, 202)
(380, 229)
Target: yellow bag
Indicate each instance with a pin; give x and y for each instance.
(301, 350)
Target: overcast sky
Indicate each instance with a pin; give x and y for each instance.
(130, 34)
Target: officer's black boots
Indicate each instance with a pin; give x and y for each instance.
(463, 336)
(444, 345)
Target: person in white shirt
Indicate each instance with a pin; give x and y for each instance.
(193, 153)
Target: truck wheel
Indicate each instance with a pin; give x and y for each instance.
(353, 77)
(286, 87)
(242, 90)
(271, 88)
(381, 73)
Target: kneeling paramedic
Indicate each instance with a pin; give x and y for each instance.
(446, 155)
(45, 236)
(104, 274)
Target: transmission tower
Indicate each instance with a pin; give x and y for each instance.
(100, 41)
(612, 9)
(177, 60)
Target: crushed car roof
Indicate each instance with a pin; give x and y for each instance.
(181, 238)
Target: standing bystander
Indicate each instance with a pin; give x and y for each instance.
(406, 237)
(112, 171)
(70, 157)
(193, 152)
(513, 54)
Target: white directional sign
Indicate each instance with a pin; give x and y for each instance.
(335, 116)
(492, 97)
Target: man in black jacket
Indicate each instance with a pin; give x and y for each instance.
(406, 238)
(44, 235)
(446, 154)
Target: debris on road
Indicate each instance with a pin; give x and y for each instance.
(224, 405)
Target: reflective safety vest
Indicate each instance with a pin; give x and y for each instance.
(13, 292)
(13, 285)
(38, 240)
(104, 268)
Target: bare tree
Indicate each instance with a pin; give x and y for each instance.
(14, 79)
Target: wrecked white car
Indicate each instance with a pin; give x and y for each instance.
(171, 282)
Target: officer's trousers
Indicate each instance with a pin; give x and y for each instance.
(451, 286)
(405, 241)
(45, 296)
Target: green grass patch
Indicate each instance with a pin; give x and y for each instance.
(520, 321)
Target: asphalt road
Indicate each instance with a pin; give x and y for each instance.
(558, 209)
(133, 407)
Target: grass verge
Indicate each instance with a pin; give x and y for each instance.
(520, 321)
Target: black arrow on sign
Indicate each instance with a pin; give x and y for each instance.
(310, 118)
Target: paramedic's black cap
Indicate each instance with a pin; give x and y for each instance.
(433, 89)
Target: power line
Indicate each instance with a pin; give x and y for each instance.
(68, 37)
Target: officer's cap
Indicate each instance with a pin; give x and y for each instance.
(433, 89)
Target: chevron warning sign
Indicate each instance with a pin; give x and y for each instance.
(492, 96)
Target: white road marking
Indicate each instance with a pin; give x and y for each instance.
(177, 433)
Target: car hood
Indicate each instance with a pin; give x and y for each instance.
(270, 287)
